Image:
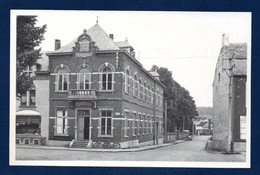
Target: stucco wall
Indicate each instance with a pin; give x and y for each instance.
(42, 104)
(221, 121)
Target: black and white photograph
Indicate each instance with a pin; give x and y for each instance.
(130, 88)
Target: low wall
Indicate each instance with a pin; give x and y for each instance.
(173, 136)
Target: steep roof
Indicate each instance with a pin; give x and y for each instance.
(236, 50)
(121, 44)
(98, 35)
(239, 52)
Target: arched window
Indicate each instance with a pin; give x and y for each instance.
(62, 79)
(107, 79)
(127, 81)
(84, 78)
(135, 86)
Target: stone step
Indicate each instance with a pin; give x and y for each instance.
(79, 144)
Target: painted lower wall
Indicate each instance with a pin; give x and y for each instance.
(42, 104)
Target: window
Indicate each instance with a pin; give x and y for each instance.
(28, 125)
(152, 95)
(30, 94)
(126, 127)
(140, 89)
(106, 122)
(61, 122)
(127, 81)
(147, 124)
(149, 94)
(107, 79)
(151, 124)
(62, 79)
(84, 79)
(144, 91)
(134, 128)
(139, 124)
(143, 125)
(135, 86)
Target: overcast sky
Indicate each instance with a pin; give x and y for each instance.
(187, 44)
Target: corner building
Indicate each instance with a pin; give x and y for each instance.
(101, 96)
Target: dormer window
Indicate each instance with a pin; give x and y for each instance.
(84, 45)
(84, 42)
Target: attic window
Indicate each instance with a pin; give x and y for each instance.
(84, 45)
(84, 41)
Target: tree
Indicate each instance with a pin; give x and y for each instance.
(29, 37)
(180, 105)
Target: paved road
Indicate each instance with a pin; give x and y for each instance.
(186, 151)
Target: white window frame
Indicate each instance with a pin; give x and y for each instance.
(133, 125)
(126, 123)
(64, 118)
(127, 81)
(100, 124)
(84, 78)
(63, 76)
(101, 73)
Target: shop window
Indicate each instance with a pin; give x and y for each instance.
(28, 125)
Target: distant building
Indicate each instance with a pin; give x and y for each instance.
(32, 108)
(100, 95)
(203, 122)
(229, 97)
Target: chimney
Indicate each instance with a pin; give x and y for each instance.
(111, 36)
(225, 39)
(57, 44)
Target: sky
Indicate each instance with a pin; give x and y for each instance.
(187, 43)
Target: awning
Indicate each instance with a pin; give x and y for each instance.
(27, 113)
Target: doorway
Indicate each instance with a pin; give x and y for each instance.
(86, 128)
(83, 124)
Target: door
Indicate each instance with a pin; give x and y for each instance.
(86, 128)
(83, 124)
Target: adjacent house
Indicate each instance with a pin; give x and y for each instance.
(229, 97)
(101, 96)
(32, 108)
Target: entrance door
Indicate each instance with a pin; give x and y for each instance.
(86, 128)
(83, 124)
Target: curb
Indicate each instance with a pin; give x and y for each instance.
(100, 150)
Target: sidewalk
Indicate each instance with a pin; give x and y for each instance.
(101, 150)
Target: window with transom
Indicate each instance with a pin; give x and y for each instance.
(84, 78)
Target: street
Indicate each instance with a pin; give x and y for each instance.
(186, 151)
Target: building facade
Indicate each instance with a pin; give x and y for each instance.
(32, 108)
(229, 97)
(101, 96)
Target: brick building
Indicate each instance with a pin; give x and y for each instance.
(229, 97)
(100, 95)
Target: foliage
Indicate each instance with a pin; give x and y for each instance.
(180, 105)
(29, 37)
